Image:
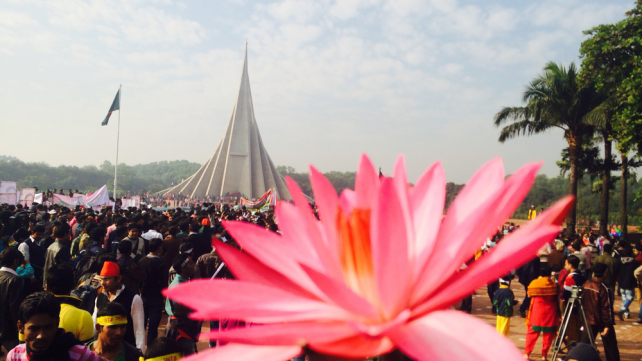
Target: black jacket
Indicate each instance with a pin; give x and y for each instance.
(624, 268)
(10, 299)
(154, 277)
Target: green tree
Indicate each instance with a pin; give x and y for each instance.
(554, 99)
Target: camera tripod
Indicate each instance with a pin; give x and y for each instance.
(574, 302)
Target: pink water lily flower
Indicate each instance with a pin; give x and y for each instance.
(378, 272)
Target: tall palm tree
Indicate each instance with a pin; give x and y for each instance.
(601, 118)
(554, 99)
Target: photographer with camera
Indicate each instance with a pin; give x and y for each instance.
(599, 312)
(574, 278)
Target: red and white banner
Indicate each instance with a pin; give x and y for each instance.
(268, 199)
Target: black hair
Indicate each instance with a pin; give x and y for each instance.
(155, 244)
(194, 227)
(8, 256)
(183, 226)
(172, 230)
(39, 228)
(60, 279)
(125, 248)
(599, 269)
(104, 257)
(112, 309)
(98, 234)
(132, 226)
(162, 346)
(627, 252)
(39, 303)
(544, 270)
(577, 245)
(556, 268)
(573, 261)
(90, 226)
(62, 230)
(178, 262)
(608, 248)
(121, 231)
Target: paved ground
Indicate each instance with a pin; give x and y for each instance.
(628, 332)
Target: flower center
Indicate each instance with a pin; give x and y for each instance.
(355, 252)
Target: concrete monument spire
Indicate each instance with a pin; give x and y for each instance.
(240, 164)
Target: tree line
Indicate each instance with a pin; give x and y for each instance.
(150, 177)
(598, 104)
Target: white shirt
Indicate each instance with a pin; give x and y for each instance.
(138, 318)
(24, 248)
(151, 234)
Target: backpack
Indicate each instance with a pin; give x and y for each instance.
(86, 263)
(87, 292)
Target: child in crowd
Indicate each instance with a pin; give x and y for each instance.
(504, 301)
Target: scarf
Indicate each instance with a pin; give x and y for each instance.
(58, 350)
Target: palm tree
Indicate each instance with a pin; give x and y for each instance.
(601, 118)
(554, 99)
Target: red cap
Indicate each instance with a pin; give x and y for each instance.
(110, 269)
(205, 222)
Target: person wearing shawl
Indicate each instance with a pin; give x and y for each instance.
(543, 314)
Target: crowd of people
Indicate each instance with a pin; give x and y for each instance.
(90, 283)
(585, 268)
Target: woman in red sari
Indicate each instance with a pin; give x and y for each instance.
(543, 315)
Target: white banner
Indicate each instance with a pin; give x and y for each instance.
(27, 196)
(8, 192)
(80, 198)
(98, 198)
(38, 198)
(63, 200)
(135, 202)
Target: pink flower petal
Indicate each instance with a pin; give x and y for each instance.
(347, 201)
(427, 203)
(247, 268)
(283, 334)
(327, 206)
(273, 251)
(402, 188)
(238, 352)
(341, 295)
(483, 185)
(453, 335)
(459, 244)
(359, 346)
(214, 299)
(389, 242)
(512, 252)
(366, 183)
(329, 257)
(295, 233)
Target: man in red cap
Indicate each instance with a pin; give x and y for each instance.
(115, 291)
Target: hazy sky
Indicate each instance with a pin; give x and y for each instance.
(330, 80)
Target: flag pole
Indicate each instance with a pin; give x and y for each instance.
(117, 143)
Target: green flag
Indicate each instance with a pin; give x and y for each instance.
(114, 106)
